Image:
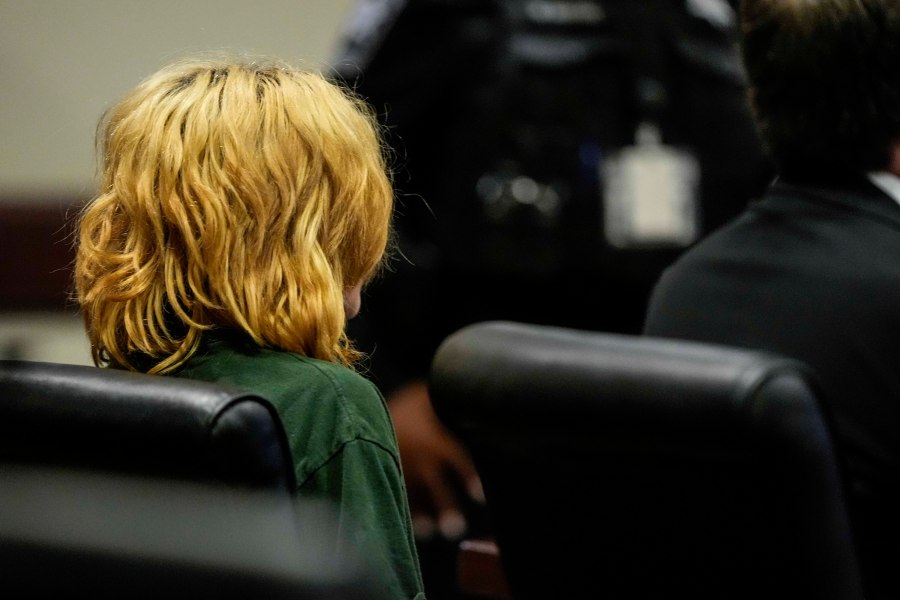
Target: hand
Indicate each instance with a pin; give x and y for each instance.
(435, 465)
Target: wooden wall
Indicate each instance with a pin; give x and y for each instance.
(36, 255)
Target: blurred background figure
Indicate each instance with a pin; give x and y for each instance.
(500, 113)
(552, 158)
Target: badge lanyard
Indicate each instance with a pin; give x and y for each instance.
(649, 190)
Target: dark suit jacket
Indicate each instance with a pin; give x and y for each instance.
(812, 271)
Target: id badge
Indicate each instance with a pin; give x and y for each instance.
(650, 193)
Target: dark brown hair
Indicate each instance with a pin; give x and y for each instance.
(825, 82)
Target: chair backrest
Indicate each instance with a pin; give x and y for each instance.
(628, 467)
(86, 417)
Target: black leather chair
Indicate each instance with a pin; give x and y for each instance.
(628, 467)
(79, 416)
(119, 484)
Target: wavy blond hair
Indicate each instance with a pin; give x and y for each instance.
(245, 195)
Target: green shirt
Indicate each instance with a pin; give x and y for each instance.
(342, 441)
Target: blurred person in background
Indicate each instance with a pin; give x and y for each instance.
(554, 156)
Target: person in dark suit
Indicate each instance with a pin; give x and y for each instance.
(812, 269)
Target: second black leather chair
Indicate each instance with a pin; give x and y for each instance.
(627, 467)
